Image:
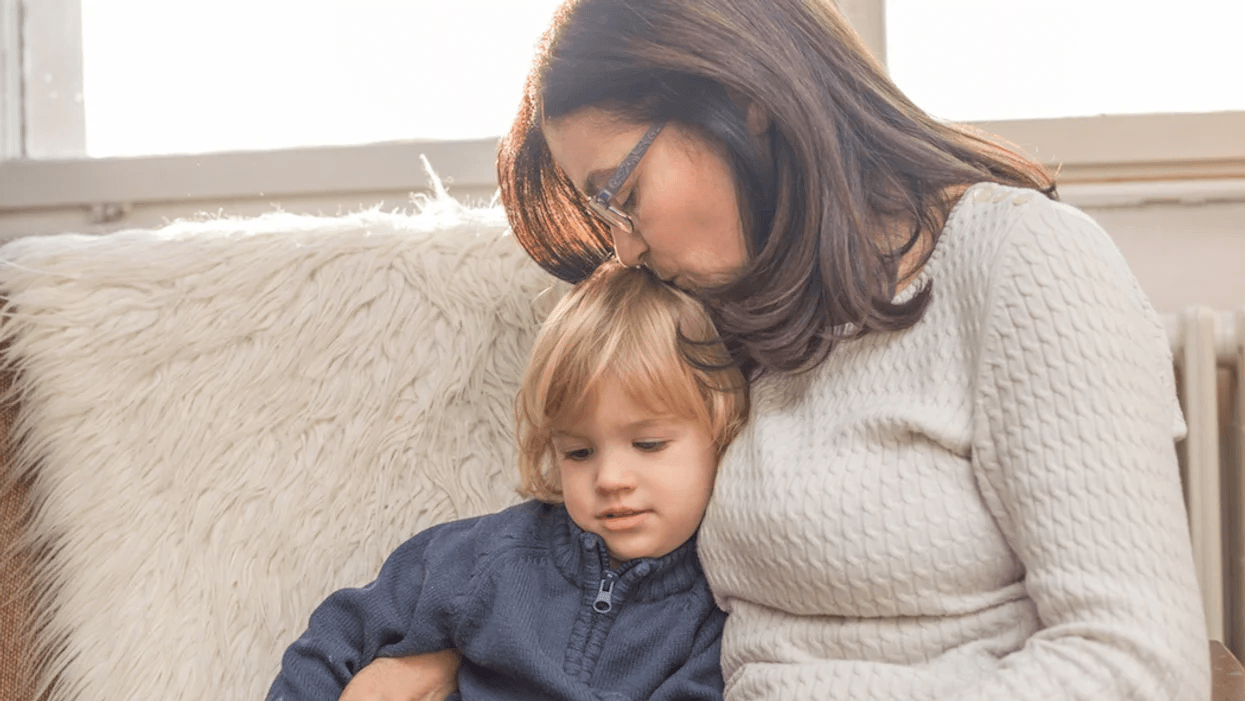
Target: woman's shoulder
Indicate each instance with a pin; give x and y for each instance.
(991, 222)
(1000, 240)
(1023, 250)
(990, 210)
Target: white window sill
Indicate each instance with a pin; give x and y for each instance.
(47, 184)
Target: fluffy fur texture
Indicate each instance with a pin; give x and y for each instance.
(228, 419)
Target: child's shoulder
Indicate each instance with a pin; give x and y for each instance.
(526, 519)
(522, 525)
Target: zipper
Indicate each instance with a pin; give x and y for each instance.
(605, 594)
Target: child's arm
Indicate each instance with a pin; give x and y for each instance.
(700, 678)
(398, 614)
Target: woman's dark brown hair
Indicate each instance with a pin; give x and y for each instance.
(853, 172)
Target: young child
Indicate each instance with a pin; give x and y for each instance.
(593, 589)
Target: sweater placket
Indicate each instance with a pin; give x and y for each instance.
(604, 594)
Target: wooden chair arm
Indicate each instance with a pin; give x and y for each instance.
(1227, 674)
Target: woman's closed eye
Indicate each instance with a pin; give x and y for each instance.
(628, 205)
(650, 446)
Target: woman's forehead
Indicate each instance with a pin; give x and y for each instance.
(589, 143)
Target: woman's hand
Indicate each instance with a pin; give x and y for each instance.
(429, 677)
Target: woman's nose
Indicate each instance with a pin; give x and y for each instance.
(629, 246)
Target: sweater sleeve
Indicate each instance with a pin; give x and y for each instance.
(1075, 416)
(406, 610)
(700, 677)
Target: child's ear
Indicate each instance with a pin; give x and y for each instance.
(553, 478)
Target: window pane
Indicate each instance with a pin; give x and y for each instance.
(187, 76)
(1021, 59)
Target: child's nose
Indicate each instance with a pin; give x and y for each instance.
(615, 474)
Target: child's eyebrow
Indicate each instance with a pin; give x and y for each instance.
(655, 421)
(663, 422)
(642, 424)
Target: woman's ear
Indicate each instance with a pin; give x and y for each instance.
(757, 118)
(755, 115)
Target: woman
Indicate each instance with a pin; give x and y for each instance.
(958, 480)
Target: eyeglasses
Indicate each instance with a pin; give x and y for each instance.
(601, 203)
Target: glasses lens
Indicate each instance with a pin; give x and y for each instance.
(610, 215)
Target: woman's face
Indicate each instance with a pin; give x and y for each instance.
(681, 196)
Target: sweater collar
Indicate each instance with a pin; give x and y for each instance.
(581, 556)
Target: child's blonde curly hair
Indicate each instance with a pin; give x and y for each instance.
(655, 340)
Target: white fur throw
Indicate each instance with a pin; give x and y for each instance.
(229, 419)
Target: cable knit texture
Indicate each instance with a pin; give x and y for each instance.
(984, 506)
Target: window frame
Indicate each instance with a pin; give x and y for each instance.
(40, 129)
(271, 175)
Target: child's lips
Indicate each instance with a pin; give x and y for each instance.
(622, 519)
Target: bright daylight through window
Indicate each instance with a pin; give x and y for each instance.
(187, 77)
(968, 60)
(196, 76)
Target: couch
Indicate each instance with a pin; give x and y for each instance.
(208, 427)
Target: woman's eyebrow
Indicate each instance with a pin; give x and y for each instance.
(596, 180)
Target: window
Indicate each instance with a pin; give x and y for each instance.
(983, 59)
(1110, 89)
(100, 102)
(225, 75)
(123, 100)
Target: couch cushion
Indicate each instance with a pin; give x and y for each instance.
(232, 418)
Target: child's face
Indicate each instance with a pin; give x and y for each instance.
(639, 480)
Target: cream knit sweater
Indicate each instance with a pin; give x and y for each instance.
(984, 506)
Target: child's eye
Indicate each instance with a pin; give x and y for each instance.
(650, 446)
(578, 455)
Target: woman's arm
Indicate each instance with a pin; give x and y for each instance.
(1075, 414)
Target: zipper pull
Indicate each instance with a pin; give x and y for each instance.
(603, 603)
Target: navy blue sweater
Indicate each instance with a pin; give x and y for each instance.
(529, 599)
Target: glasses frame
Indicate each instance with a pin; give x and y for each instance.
(601, 204)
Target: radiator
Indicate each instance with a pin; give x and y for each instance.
(1208, 347)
